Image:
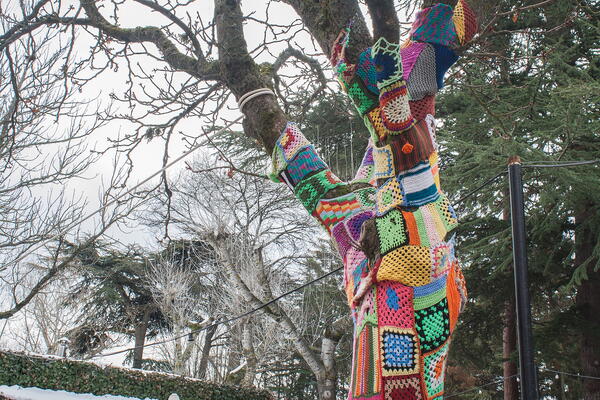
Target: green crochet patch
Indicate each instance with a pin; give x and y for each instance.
(366, 197)
(361, 100)
(312, 189)
(433, 325)
(391, 231)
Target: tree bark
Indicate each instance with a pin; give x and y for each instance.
(140, 339)
(249, 355)
(588, 302)
(327, 381)
(206, 346)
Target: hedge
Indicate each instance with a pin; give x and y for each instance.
(82, 377)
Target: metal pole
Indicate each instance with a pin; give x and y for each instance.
(527, 371)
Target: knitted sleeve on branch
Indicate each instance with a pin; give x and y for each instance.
(296, 162)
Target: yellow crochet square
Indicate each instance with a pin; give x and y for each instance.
(389, 195)
(459, 22)
(375, 119)
(383, 161)
(409, 265)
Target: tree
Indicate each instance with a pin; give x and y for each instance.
(182, 281)
(117, 300)
(37, 154)
(534, 98)
(256, 235)
(210, 66)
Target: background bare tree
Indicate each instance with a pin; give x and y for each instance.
(258, 236)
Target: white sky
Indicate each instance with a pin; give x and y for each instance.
(148, 158)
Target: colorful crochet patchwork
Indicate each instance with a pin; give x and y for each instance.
(465, 22)
(312, 189)
(366, 365)
(434, 25)
(402, 280)
(395, 109)
(434, 370)
(331, 211)
(399, 351)
(422, 80)
(388, 62)
(402, 388)
(305, 162)
(433, 325)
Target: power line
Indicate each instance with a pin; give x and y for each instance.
(481, 386)
(484, 184)
(558, 164)
(571, 374)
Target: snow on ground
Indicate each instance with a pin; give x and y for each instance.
(19, 393)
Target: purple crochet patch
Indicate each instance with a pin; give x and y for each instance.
(354, 224)
(410, 55)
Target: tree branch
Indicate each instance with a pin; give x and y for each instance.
(385, 20)
(265, 119)
(325, 20)
(199, 68)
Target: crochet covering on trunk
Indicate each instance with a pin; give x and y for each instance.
(404, 286)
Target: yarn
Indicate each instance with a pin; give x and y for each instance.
(422, 80)
(409, 265)
(395, 305)
(310, 190)
(465, 22)
(410, 54)
(395, 110)
(399, 351)
(430, 294)
(366, 372)
(391, 231)
(305, 162)
(331, 211)
(388, 62)
(402, 388)
(402, 280)
(434, 25)
(434, 368)
(433, 325)
(421, 108)
(366, 169)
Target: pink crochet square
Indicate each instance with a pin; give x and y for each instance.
(395, 305)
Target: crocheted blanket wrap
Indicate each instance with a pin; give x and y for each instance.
(406, 294)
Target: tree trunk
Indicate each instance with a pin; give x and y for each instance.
(206, 346)
(509, 346)
(249, 355)
(588, 303)
(140, 340)
(327, 379)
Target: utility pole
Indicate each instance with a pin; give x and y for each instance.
(527, 370)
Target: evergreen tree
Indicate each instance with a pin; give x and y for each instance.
(116, 299)
(530, 89)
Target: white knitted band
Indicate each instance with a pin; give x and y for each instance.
(252, 94)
